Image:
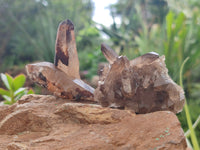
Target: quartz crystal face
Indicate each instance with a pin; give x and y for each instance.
(142, 85)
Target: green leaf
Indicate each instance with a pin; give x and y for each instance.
(179, 21)
(5, 81)
(4, 92)
(169, 21)
(30, 91)
(10, 81)
(7, 98)
(19, 96)
(19, 91)
(8, 102)
(19, 81)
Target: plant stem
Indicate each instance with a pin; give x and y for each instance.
(187, 134)
(12, 97)
(189, 121)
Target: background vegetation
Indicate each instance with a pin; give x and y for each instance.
(168, 27)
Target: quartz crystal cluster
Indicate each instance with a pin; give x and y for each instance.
(142, 84)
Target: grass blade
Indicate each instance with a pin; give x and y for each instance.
(187, 134)
(189, 121)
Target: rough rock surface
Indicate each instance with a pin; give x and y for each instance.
(39, 122)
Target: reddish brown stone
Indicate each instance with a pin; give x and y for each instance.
(48, 123)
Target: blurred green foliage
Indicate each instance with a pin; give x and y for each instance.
(28, 29)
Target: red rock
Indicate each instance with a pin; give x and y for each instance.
(48, 123)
